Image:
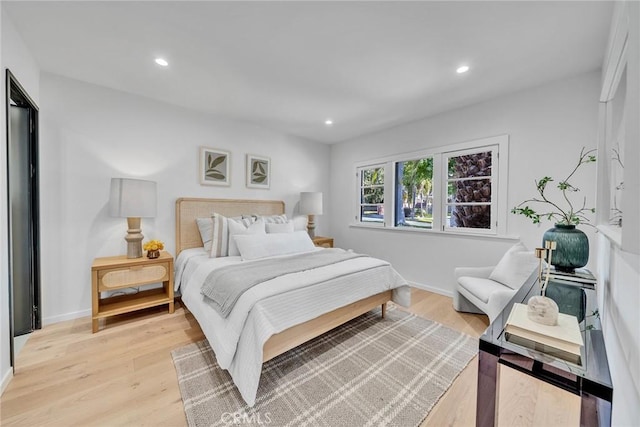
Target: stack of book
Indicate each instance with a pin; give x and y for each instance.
(563, 341)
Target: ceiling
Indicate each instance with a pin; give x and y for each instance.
(290, 66)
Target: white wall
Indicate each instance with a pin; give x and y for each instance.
(548, 126)
(5, 346)
(619, 267)
(90, 134)
(15, 56)
(619, 294)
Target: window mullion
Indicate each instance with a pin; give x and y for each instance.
(389, 194)
(439, 191)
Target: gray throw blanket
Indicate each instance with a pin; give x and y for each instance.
(225, 285)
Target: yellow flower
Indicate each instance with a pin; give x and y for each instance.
(153, 245)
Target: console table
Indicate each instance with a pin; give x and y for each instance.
(592, 381)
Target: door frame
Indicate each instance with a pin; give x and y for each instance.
(16, 90)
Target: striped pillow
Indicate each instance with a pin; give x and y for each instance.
(205, 226)
(220, 235)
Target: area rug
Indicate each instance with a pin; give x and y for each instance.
(369, 371)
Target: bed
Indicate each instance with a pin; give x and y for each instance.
(278, 315)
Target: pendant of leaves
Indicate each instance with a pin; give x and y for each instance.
(259, 171)
(212, 162)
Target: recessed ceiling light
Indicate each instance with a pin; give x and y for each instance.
(162, 62)
(462, 69)
(328, 122)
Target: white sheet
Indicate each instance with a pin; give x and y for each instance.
(276, 305)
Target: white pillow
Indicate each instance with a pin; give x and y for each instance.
(300, 223)
(287, 227)
(278, 219)
(236, 229)
(256, 246)
(515, 267)
(205, 226)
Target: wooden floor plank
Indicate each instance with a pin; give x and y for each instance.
(124, 375)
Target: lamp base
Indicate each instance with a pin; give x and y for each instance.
(134, 238)
(311, 226)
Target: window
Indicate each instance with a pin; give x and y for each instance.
(371, 185)
(414, 193)
(470, 183)
(450, 189)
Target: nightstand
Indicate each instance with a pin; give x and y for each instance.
(324, 242)
(120, 272)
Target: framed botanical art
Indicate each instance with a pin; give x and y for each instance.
(214, 166)
(258, 171)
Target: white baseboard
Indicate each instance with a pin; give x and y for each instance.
(6, 379)
(67, 316)
(433, 289)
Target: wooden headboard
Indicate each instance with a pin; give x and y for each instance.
(188, 209)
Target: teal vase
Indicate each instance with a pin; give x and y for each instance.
(572, 247)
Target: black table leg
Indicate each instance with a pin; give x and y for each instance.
(487, 389)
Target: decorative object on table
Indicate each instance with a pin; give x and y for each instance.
(133, 199)
(572, 244)
(562, 340)
(541, 309)
(214, 166)
(153, 248)
(311, 205)
(258, 171)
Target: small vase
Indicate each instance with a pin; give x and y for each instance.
(153, 254)
(572, 247)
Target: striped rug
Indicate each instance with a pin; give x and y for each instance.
(368, 372)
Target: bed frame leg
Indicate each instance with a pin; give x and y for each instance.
(384, 309)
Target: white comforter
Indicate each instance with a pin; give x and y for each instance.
(276, 305)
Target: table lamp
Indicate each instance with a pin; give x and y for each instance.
(311, 205)
(133, 199)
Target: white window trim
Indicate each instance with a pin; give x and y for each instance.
(502, 141)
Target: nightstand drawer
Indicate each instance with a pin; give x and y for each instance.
(117, 278)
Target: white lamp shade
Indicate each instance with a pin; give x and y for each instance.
(311, 203)
(133, 198)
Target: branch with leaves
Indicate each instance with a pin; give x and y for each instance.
(567, 214)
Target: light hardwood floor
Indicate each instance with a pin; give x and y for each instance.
(124, 375)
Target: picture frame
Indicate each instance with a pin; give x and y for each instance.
(215, 166)
(258, 171)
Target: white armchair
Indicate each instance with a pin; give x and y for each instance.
(488, 289)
